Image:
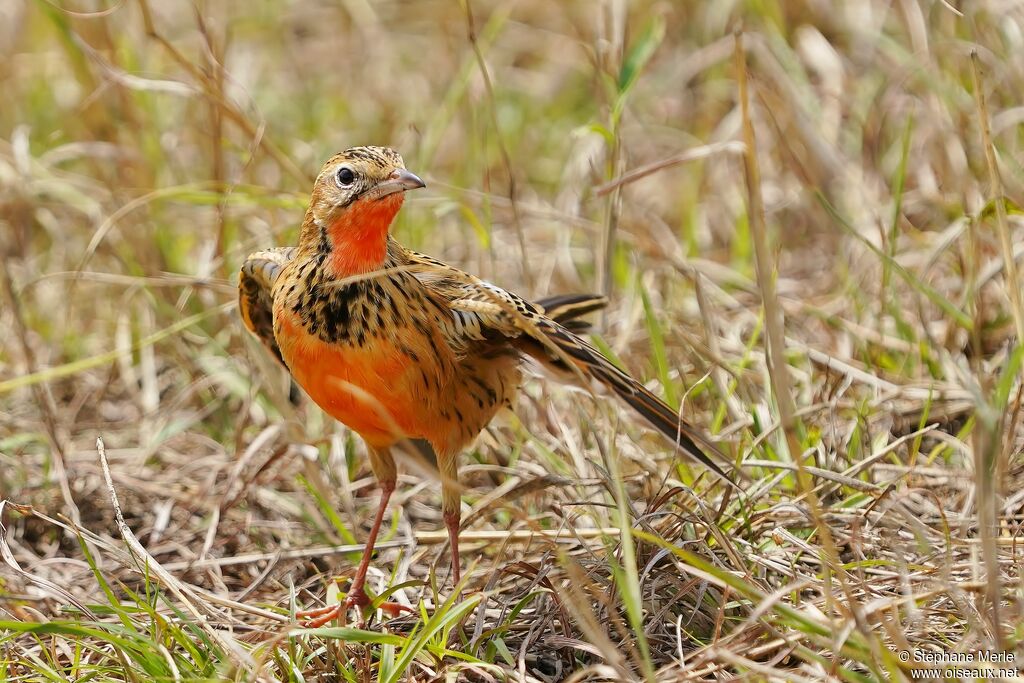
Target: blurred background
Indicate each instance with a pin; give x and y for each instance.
(147, 147)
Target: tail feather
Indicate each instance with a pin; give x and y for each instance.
(566, 309)
(658, 414)
(592, 363)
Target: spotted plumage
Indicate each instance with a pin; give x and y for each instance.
(396, 344)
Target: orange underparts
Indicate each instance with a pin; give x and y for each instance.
(359, 239)
(361, 387)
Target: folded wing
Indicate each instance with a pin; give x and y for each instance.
(255, 293)
(483, 312)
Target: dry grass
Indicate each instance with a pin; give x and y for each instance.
(146, 148)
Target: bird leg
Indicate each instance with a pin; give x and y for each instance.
(357, 596)
(451, 506)
(451, 520)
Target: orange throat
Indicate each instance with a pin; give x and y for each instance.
(359, 238)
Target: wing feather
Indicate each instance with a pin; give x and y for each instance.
(482, 312)
(255, 293)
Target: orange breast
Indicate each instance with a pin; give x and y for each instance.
(367, 388)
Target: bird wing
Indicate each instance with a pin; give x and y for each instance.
(483, 312)
(255, 292)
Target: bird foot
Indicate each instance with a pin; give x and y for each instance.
(315, 618)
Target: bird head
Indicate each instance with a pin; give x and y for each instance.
(355, 198)
(360, 176)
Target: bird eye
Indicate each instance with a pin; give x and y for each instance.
(345, 176)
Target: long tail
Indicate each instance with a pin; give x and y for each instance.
(562, 344)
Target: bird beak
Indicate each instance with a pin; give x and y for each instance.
(400, 180)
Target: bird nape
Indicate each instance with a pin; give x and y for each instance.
(395, 344)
